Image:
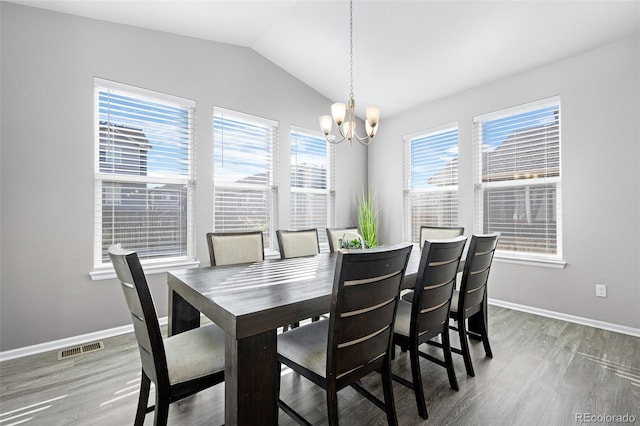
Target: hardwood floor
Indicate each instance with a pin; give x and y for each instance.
(544, 372)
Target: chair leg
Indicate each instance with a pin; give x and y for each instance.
(389, 403)
(162, 409)
(464, 347)
(417, 382)
(143, 400)
(485, 339)
(448, 360)
(332, 405)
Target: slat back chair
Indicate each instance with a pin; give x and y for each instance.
(230, 248)
(334, 235)
(180, 365)
(427, 316)
(356, 340)
(298, 243)
(470, 303)
(439, 232)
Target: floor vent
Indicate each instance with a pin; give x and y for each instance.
(79, 350)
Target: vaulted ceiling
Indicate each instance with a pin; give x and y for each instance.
(406, 53)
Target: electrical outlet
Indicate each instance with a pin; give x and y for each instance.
(601, 290)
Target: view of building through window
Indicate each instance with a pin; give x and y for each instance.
(244, 173)
(431, 179)
(518, 178)
(311, 179)
(143, 172)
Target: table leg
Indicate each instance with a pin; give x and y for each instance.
(251, 380)
(182, 315)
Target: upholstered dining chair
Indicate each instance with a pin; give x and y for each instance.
(356, 340)
(439, 232)
(298, 243)
(179, 365)
(427, 316)
(469, 305)
(334, 235)
(229, 248)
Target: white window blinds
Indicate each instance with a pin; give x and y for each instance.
(517, 178)
(312, 177)
(244, 173)
(431, 179)
(143, 173)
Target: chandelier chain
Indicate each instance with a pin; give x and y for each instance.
(351, 49)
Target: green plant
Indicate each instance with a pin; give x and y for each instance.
(368, 219)
(350, 244)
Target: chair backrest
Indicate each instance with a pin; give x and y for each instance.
(439, 232)
(297, 243)
(230, 248)
(434, 287)
(366, 289)
(334, 235)
(143, 313)
(473, 288)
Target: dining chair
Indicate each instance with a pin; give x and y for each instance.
(334, 235)
(469, 305)
(439, 232)
(230, 248)
(180, 365)
(427, 316)
(298, 243)
(356, 340)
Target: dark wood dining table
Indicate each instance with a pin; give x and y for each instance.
(250, 302)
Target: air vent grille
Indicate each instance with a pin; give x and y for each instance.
(79, 350)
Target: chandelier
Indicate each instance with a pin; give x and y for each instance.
(344, 115)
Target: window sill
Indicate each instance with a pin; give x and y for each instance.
(106, 273)
(545, 263)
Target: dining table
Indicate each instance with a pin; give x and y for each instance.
(250, 302)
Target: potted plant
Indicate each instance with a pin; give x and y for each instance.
(368, 219)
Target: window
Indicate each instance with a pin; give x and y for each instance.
(245, 178)
(312, 177)
(143, 174)
(517, 179)
(431, 179)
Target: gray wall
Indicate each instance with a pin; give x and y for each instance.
(49, 61)
(600, 96)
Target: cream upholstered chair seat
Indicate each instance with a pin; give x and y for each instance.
(230, 248)
(298, 243)
(194, 354)
(403, 318)
(313, 338)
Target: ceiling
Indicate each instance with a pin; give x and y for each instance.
(406, 53)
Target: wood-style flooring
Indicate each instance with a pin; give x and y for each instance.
(544, 372)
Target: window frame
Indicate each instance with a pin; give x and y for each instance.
(408, 232)
(271, 189)
(329, 190)
(103, 269)
(514, 256)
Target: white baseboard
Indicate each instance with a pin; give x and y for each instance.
(69, 341)
(85, 338)
(623, 329)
